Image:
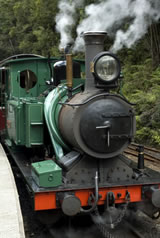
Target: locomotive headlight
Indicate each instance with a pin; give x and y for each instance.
(106, 67)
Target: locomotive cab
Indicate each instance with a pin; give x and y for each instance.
(25, 78)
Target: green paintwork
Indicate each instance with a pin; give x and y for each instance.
(39, 66)
(34, 124)
(15, 122)
(25, 107)
(25, 122)
(47, 173)
(51, 112)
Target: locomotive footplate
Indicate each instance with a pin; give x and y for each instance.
(48, 198)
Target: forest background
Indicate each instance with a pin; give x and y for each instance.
(28, 26)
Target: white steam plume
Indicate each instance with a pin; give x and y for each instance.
(65, 19)
(102, 17)
(144, 13)
(110, 16)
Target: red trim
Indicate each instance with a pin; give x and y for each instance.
(47, 200)
(2, 119)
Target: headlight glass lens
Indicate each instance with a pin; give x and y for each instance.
(106, 68)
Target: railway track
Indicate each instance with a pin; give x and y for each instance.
(150, 154)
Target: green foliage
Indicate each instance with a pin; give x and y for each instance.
(28, 27)
(142, 87)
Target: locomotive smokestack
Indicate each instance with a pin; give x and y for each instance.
(94, 44)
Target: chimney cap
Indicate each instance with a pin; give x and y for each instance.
(94, 37)
(94, 33)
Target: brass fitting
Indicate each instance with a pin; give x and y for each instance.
(69, 72)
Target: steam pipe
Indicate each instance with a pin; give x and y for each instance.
(94, 44)
(96, 197)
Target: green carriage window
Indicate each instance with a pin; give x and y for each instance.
(28, 79)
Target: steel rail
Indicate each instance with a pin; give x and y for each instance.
(133, 230)
(132, 150)
(147, 147)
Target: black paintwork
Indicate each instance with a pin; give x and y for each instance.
(116, 115)
(117, 172)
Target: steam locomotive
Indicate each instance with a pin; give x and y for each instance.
(66, 128)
